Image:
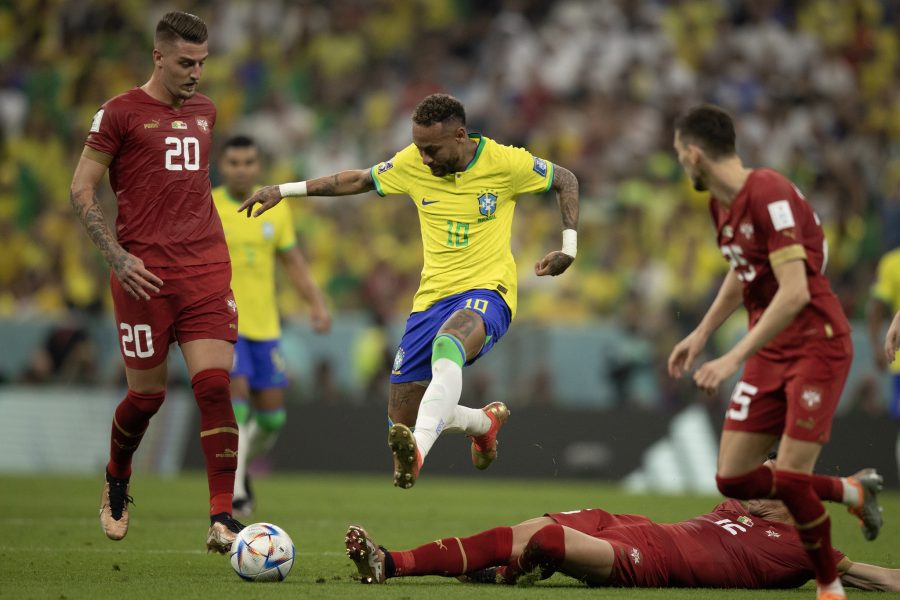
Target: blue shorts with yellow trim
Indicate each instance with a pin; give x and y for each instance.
(260, 362)
(413, 359)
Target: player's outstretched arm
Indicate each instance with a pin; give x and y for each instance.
(298, 270)
(566, 186)
(345, 183)
(892, 339)
(869, 577)
(129, 269)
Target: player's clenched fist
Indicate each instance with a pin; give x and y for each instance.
(553, 264)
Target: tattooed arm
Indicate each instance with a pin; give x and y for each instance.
(129, 269)
(566, 186)
(345, 183)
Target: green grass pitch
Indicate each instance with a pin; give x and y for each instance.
(52, 546)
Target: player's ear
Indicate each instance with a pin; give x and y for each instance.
(461, 134)
(694, 153)
(157, 57)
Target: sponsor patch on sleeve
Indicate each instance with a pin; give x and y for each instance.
(540, 166)
(782, 217)
(95, 123)
(385, 166)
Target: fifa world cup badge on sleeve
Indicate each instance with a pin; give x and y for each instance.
(95, 123)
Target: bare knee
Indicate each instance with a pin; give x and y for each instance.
(403, 404)
(147, 381)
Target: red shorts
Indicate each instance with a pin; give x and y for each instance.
(195, 303)
(591, 520)
(638, 561)
(795, 397)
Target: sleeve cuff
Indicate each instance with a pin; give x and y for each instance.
(378, 189)
(787, 254)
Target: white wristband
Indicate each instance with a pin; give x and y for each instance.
(570, 242)
(297, 188)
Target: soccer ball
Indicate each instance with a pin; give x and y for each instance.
(262, 552)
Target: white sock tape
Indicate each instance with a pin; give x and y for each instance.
(297, 188)
(570, 242)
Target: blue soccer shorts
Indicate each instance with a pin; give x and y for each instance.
(260, 362)
(413, 359)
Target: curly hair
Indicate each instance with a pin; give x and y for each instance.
(181, 25)
(439, 108)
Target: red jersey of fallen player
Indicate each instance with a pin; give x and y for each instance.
(769, 223)
(160, 175)
(725, 548)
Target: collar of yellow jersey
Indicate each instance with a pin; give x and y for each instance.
(475, 136)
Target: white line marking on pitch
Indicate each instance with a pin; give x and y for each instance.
(134, 551)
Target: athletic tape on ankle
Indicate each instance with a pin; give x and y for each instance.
(447, 346)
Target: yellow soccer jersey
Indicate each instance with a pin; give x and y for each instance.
(253, 244)
(466, 217)
(887, 287)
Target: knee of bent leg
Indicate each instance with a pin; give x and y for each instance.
(549, 541)
(147, 403)
(447, 346)
(212, 386)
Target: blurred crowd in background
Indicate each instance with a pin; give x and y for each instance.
(592, 85)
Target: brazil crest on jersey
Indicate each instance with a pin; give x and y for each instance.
(466, 217)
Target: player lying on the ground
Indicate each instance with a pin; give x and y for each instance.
(749, 544)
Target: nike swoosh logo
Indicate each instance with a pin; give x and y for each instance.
(427, 202)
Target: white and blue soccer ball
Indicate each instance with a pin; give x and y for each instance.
(262, 552)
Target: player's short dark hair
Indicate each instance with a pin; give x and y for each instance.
(439, 108)
(177, 24)
(239, 141)
(709, 127)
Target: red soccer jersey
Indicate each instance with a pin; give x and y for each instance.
(160, 175)
(726, 548)
(769, 223)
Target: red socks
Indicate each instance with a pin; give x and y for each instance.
(828, 488)
(813, 525)
(758, 483)
(218, 435)
(455, 556)
(546, 550)
(129, 425)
